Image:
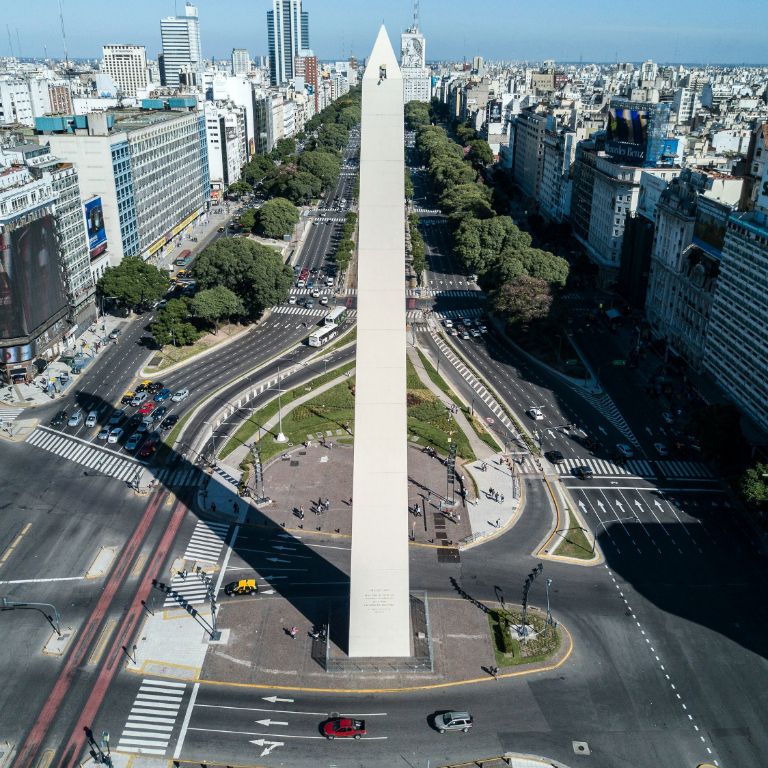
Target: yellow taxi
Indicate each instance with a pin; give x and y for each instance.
(241, 587)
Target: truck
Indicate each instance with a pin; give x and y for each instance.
(183, 259)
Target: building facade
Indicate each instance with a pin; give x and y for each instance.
(559, 149)
(182, 52)
(241, 62)
(226, 137)
(736, 351)
(287, 37)
(149, 166)
(127, 66)
(528, 162)
(417, 82)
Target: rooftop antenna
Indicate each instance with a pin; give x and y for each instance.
(64, 37)
(10, 41)
(415, 15)
(18, 43)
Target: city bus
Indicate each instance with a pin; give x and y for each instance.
(183, 259)
(336, 316)
(322, 336)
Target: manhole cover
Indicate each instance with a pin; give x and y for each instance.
(448, 555)
(581, 747)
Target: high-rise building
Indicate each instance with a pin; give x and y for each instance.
(736, 352)
(226, 136)
(306, 67)
(638, 133)
(149, 166)
(181, 46)
(287, 37)
(127, 65)
(528, 162)
(241, 61)
(417, 82)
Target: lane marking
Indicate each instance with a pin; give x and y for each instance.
(42, 581)
(101, 643)
(291, 711)
(185, 722)
(9, 551)
(285, 735)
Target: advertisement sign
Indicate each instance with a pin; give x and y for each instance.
(94, 222)
(11, 355)
(31, 284)
(627, 133)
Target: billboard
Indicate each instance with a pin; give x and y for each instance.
(94, 222)
(627, 133)
(31, 284)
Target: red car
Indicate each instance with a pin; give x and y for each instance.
(149, 447)
(343, 728)
(147, 408)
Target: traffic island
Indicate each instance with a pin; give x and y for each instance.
(519, 639)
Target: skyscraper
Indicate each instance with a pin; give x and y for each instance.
(181, 45)
(241, 61)
(127, 65)
(417, 85)
(287, 36)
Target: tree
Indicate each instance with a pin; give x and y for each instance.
(523, 301)
(546, 265)
(252, 271)
(239, 188)
(467, 200)
(277, 217)
(465, 133)
(172, 326)
(133, 283)
(754, 487)
(284, 149)
(480, 153)
(216, 304)
(294, 185)
(416, 114)
(408, 185)
(257, 168)
(332, 137)
(248, 219)
(349, 116)
(324, 165)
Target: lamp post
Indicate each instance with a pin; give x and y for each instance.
(281, 438)
(548, 583)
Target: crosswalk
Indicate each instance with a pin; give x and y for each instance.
(105, 461)
(9, 414)
(178, 477)
(414, 315)
(325, 291)
(432, 211)
(668, 469)
(294, 309)
(457, 293)
(604, 404)
(204, 548)
(151, 720)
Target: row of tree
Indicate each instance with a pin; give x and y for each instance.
(418, 249)
(346, 245)
(522, 281)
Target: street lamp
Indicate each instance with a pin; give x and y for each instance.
(281, 438)
(548, 583)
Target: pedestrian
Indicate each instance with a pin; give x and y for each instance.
(213, 506)
(494, 672)
(301, 513)
(496, 496)
(502, 498)
(293, 632)
(491, 491)
(327, 504)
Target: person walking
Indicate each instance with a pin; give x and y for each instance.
(501, 499)
(293, 631)
(301, 513)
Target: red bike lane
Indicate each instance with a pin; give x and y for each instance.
(61, 688)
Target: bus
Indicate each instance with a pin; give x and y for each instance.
(303, 277)
(183, 259)
(322, 336)
(336, 316)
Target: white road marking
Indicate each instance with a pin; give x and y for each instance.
(283, 735)
(185, 723)
(39, 581)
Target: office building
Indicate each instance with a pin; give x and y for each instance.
(241, 62)
(417, 82)
(226, 136)
(287, 37)
(305, 67)
(559, 148)
(528, 151)
(127, 66)
(736, 351)
(182, 52)
(149, 166)
(46, 291)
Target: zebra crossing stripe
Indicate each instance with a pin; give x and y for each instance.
(152, 717)
(9, 414)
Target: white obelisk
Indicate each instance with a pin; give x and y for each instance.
(379, 617)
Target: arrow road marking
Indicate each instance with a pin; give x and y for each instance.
(269, 722)
(273, 699)
(276, 560)
(269, 552)
(268, 745)
(603, 430)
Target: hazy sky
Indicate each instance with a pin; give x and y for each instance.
(596, 30)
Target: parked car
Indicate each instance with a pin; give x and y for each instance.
(59, 419)
(182, 394)
(344, 728)
(75, 419)
(115, 434)
(91, 419)
(453, 721)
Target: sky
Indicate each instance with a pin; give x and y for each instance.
(709, 31)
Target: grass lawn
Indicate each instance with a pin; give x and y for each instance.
(574, 542)
(510, 651)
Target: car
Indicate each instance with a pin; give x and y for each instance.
(103, 433)
(180, 395)
(448, 323)
(147, 408)
(149, 447)
(536, 414)
(472, 278)
(344, 728)
(75, 419)
(465, 334)
(59, 419)
(181, 273)
(144, 426)
(139, 398)
(668, 417)
(127, 397)
(143, 386)
(115, 434)
(583, 472)
(329, 281)
(309, 304)
(453, 721)
(241, 587)
(661, 449)
(625, 450)
(555, 457)
(91, 419)
(315, 293)
(155, 386)
(220, 230)
(163, 394)
(159, 413)
(467, 321)
(132, 443)
(169, 422)
(323, 301)
(475, 333)
(116, 417)
(483, 329)
(114, 333)
(291, 299)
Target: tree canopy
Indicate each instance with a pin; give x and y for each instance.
(480, 153)
(754, 486)
(133, 283)
(284, 149)
(324, 165)
(523, 301)
(239, 188)
(257, 168)
(216, 304)
(277, 217)
(255, 273)
(416, 114)
(171, 325)
(293, 184)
